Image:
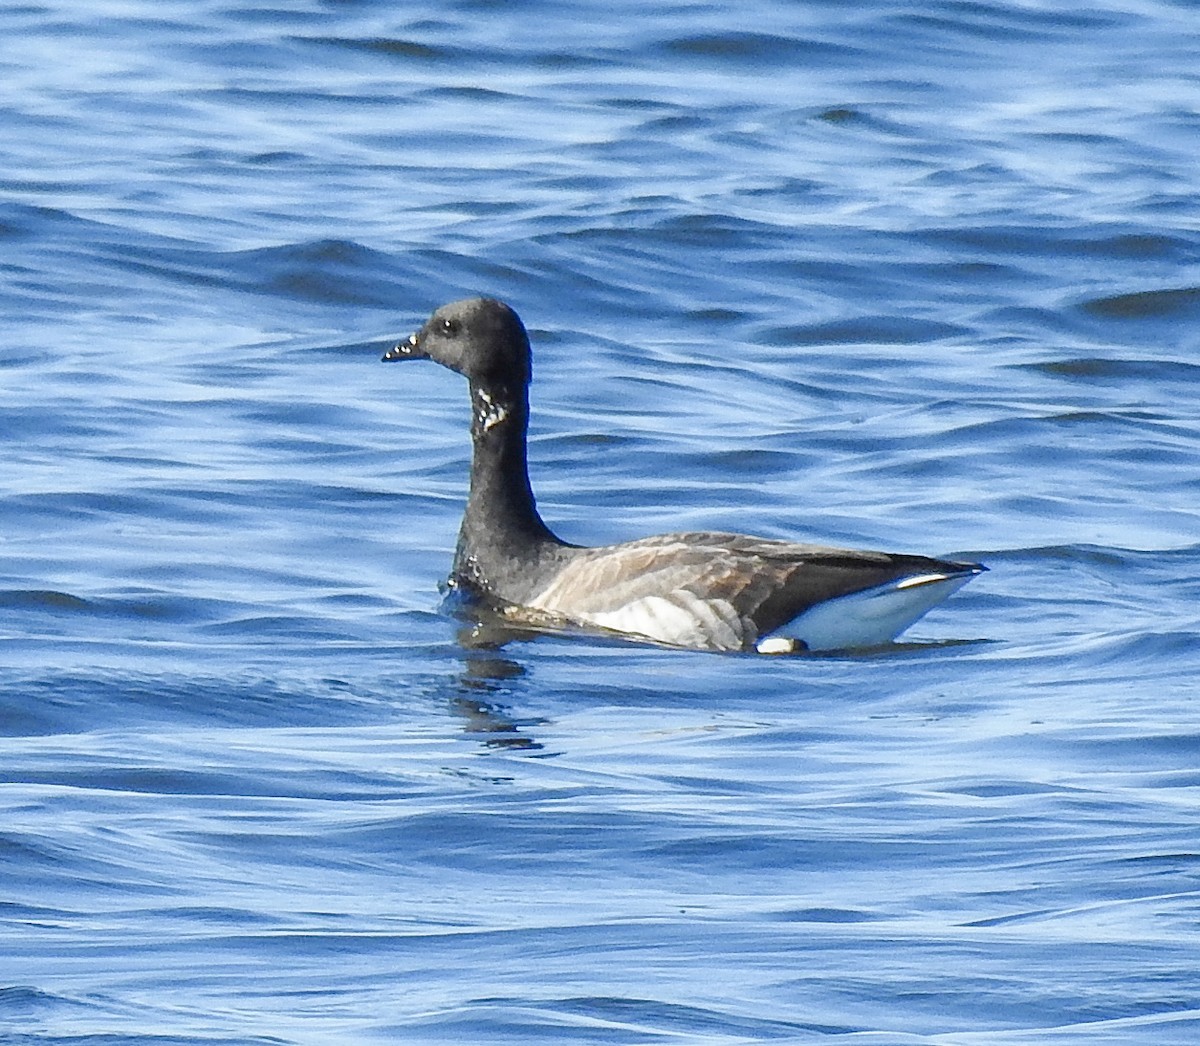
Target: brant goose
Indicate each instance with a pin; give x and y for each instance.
(701, 590)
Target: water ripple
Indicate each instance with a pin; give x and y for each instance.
(908, 278)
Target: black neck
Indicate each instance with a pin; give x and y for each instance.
(501, 521)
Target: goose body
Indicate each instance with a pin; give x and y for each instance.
(698, 589)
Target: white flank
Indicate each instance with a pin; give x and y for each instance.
(682, 620)
(921, 579)
(867, 618)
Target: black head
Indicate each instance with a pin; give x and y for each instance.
(480, 338)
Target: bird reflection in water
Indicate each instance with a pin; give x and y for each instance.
(485, 677)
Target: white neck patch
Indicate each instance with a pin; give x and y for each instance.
(488, 412)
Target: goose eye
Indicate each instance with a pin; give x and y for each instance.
(449, 327)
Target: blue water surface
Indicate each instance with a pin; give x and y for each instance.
(923, 277)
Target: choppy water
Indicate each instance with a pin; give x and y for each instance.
(920, 277)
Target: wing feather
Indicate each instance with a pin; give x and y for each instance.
(717, 590)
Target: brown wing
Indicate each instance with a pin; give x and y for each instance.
(717, 590)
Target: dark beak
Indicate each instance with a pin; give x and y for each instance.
(406, 350)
